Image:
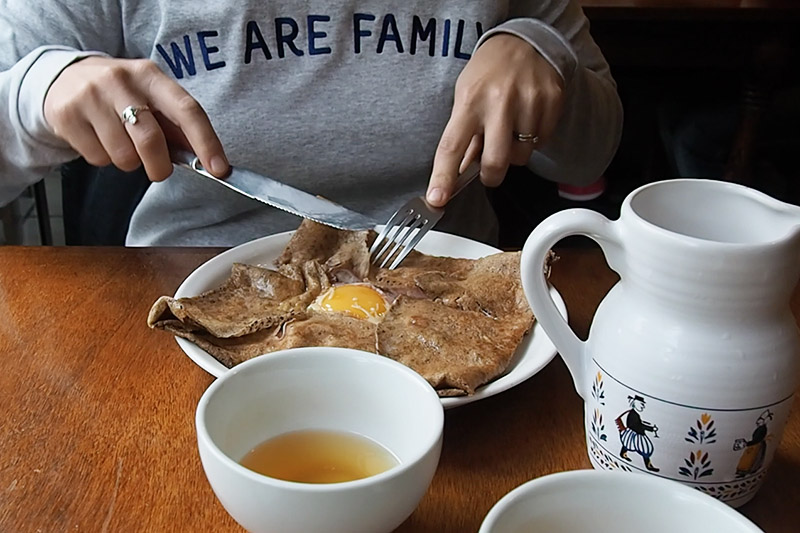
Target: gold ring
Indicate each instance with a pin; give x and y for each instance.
(527, 138)
(130, 112)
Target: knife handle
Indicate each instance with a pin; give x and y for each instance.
(472, 171)
(187, 159)
(182, 157)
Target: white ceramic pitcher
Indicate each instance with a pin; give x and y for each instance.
(692, 360)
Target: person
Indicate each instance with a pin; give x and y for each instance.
(633, 433)
(366, 104)
(755, 449)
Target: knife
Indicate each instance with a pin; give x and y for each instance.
(277, 194)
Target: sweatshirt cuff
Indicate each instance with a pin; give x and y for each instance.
(32, 91)
(553, 46)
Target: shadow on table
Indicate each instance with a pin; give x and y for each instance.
(499, 443)
(778, 496)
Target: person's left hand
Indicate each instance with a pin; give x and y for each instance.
(506, 88)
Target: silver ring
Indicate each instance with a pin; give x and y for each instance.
(130, 112)
(526, 138)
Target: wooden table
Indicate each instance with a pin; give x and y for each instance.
(97, 411)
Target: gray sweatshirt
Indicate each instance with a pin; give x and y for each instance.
(342, 99)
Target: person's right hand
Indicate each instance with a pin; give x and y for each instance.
(84, 106)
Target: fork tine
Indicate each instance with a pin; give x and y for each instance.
(421, 231)
(400, 241)
(403, 231)
(396, 239)
(392, 237)
(414, 211)
(387, 228)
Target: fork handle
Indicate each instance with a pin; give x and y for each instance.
(472, 171)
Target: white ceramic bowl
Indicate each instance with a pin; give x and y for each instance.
(611, 502)
(329, 389)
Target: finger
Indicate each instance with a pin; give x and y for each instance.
(174, 135)
(111, 132)
(545, 106)
(151, 145)
(473, 152)
(457, 135)
(521, 153)
(185, 112)
(496, 155)
(72, 122)
(84, 140)
(527, 124)
(550, 107)
(521, 150)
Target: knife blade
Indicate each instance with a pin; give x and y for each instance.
(276, 194)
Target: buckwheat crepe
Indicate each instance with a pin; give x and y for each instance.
(457, 322)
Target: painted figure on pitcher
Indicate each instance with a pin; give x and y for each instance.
(755, 449)
(633, 432)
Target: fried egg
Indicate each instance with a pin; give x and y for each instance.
(358, 300)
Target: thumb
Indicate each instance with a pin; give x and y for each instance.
(442, 180)
(438, 192)
(445, 178)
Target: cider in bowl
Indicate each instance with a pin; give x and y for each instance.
(316, 456)
(320, 439)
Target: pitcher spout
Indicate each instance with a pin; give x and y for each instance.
(788, 215)
(711, 212)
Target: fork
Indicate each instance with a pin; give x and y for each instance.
(411, 222)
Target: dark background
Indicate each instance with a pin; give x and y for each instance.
(706, 94)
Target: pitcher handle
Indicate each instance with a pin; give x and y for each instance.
(541, 240)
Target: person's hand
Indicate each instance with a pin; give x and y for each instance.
(507, 88)
(84, 106)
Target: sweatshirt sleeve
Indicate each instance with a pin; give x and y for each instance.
(588, 134)
(29, 148)
(37, 41)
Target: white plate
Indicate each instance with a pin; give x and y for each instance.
(535, 351)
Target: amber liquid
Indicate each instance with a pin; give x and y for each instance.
(319, 456)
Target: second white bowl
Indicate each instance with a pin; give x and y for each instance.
(611, 502)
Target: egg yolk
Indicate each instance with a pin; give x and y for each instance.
(359, 301)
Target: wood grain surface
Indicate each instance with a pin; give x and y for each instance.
(97, 411)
